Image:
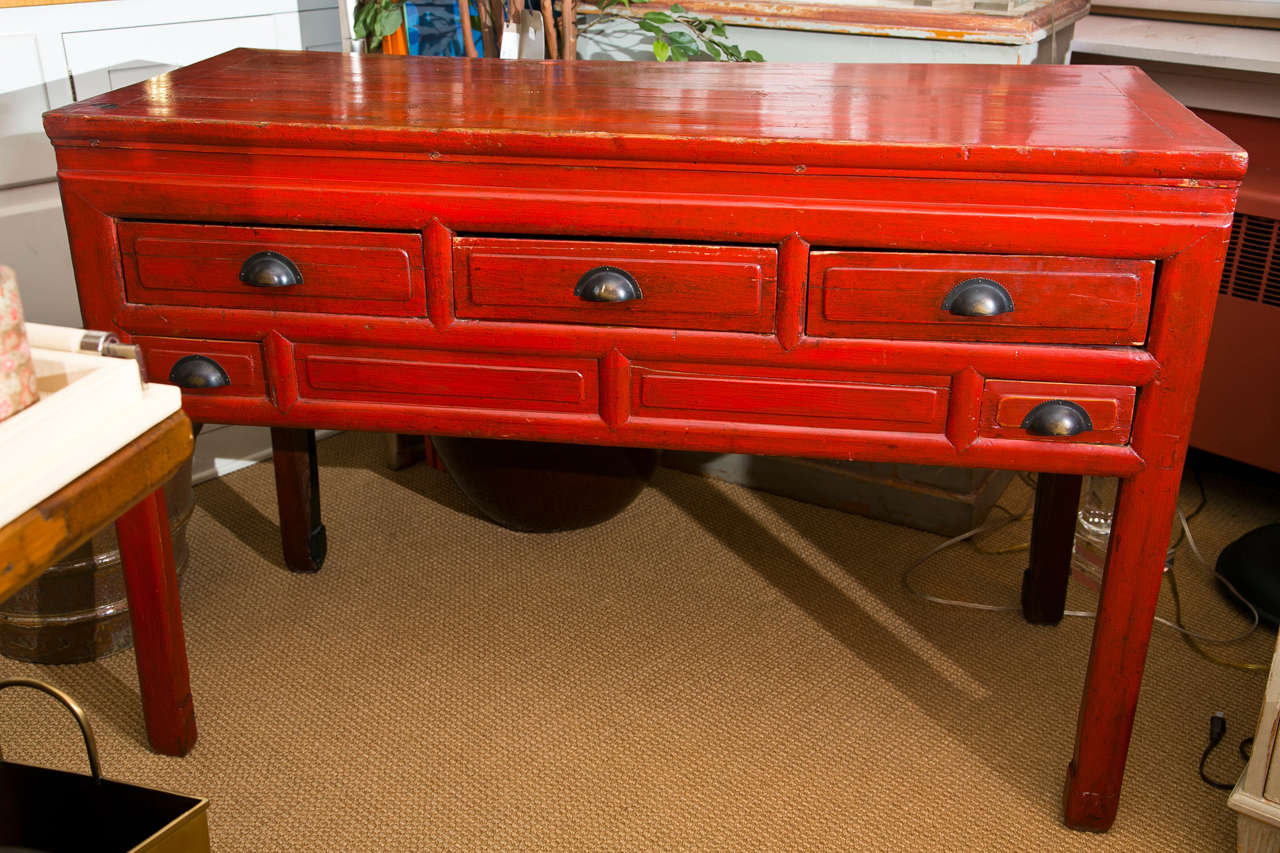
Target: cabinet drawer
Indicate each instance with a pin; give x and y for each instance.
(952, 297)
(727, 288)
(814, 398)
(327, 271)
(1009, 409)
(433, 378)
(240, 363)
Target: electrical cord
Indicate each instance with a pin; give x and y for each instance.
(1218, 730)
(1189, 636)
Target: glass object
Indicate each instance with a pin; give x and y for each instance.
(1093, 531)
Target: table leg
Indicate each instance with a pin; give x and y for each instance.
(1126, 607)
(1053, 527)
(302, 534)
(146, 555)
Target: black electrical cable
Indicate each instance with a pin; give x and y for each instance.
(1218, 730)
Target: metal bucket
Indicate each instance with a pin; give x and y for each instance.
(52, 810)
(77, 610)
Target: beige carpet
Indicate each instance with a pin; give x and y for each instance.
(713, 669)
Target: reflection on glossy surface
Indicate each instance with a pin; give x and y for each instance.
(976, 117)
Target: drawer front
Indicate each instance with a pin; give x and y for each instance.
(813, 398)
(326, 271)
(240, 363)
(1017, 298)
(1030, 409)
(726, 288)
(431, 378)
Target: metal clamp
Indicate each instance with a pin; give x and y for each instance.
(90, 744)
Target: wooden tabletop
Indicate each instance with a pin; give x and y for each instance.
(1038, 119)
(61, 522)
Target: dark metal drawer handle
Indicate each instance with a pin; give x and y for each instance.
(198, 371)
(270, 269)
(1057, 417)
(978, 297)
(607, 284)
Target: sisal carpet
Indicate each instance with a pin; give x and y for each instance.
(713, 669)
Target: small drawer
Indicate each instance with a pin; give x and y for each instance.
(1056, 411)
(276, 269)
(430, 378)
(211, 369)
(805, 398)
(725, 288)
(1016, 298)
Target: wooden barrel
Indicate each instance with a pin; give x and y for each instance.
(77, 610)
(540, 487)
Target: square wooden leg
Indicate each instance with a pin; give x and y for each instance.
(146, 555)
(1053, 528)
(302, 534)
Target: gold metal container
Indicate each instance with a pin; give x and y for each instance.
(59, 812)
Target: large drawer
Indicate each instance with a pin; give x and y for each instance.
(678, 286)
(278, 269)
(805, 398)
(431, 378)
(1016, 298)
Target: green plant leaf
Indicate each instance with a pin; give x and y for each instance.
(753, 56)
(661, 50)
(714, 51)
(676, 7)
(679, 54)
(717, 27)
(682, 39)
(651, 27)
(389, 21)
(659, 17)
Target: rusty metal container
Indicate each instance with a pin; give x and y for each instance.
(77, 611)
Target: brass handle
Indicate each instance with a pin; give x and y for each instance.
(608, 284)
(270, 269)
(978, 297)
(1057, 418)
(90, 744)
(198, 371)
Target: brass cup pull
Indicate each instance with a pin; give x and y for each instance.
(608, 284)
(978, 297)
(270, 269)
(1057, 418)
(198, 371)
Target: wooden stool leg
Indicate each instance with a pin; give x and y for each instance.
(1044, 584)
(298, 495)
(146, 555)
(1126, 607)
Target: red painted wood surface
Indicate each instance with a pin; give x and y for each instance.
(146, 558)
(1075, 120)
(898, 294)
(1102, 202)
(728, 288)
(342, 271)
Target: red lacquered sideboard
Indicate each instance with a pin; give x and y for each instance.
(1009, 267)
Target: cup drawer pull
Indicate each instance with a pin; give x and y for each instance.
(608, 284)
(978, 297)
(270, 269)
(1057, 418)
(198, 371)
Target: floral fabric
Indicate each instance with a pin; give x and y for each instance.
(17, 371)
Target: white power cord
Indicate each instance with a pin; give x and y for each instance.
(1004, 608)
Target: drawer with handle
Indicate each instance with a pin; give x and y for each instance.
(1057, 411)
(204, 367)
(959, 297)
(664, 285)
(279, 269)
